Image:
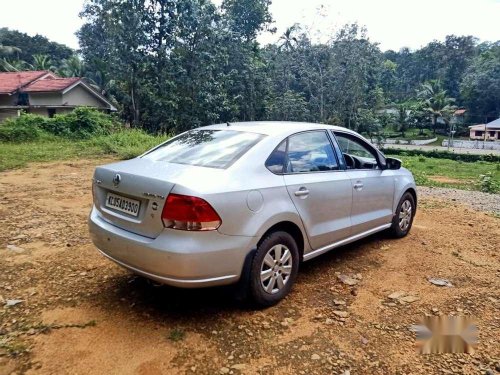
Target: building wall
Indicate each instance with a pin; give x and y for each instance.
(39, 111)
(479, 135)
(44, 98)
(8, 99)
(79, 96)
(7, 113)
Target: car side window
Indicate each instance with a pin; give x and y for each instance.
(310, 152)
(276, 161)
(356, 154)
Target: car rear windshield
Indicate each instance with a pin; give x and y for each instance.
(206, 148)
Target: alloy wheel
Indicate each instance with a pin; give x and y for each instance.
(405, 215)
(276, 268)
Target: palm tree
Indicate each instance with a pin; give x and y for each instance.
(8, 50)
(403, 117)
(42, 62)
(13, 65)
(436, 102)
(287, 41)
(72, 67)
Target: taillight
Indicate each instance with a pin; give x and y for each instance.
(189, 213)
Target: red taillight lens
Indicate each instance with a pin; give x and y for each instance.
(189, 213)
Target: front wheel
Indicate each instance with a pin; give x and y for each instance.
(403, 219)
(274, 269)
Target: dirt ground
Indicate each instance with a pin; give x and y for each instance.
(81, 314)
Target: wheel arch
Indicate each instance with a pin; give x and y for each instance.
(290, 228)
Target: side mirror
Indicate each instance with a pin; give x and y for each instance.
(393, 163)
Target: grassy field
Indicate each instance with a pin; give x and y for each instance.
(451, 173)
(124, 145)
(130, 143)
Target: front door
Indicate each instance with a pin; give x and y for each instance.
(373, 187)
(320, 190)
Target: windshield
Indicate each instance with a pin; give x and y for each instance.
(206, 148)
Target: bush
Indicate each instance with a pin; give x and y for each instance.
(488, 184)
(470, 158)
(128, 143)
(82, 123)
(26, 128)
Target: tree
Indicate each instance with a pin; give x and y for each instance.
(480, 87)
(246, 18)
(42, 62)
(25, 46)
(403, 117)
(8, 50)
(436, 102)
(289, 106)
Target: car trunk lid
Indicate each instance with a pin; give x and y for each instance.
(131, 194)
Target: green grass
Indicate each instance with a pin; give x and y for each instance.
(450, 173)
(124, 145)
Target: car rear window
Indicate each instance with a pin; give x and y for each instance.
(206, 148)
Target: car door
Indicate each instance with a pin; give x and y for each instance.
(372, 186)
(320, 190)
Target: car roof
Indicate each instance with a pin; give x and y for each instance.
(274, 128)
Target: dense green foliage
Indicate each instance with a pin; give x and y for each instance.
(171, 65)
(494, 158)
(30, 46)
(82, 123)
(184, 63)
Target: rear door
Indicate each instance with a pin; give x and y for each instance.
(372, 187)
(319, 188)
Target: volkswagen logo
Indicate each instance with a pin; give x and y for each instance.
(117, 179)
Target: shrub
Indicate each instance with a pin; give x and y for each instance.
(128, 143)
(488, 184)
(82, 123)
(25, 128)
(470, 158)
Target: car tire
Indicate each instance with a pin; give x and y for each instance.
(403, 217)
(274, 269)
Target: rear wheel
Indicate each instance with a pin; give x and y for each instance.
(403, 219)
(274, 269)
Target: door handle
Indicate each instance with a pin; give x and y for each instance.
(358, 185)
(302, 192)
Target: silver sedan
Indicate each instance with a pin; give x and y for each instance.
(246, 202)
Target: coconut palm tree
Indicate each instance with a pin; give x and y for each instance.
(436, 102)
(13, 65)
(42, 62)
(8, 50)
(288, 41)
(72, 67)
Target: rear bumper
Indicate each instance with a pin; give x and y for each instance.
(178, 258)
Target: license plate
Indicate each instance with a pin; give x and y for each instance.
(119, 203)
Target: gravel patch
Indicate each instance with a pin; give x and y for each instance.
(477, 200)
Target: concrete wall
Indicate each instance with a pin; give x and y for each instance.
(7, 113)
(39, 111)
(417, 142)
(80, 96)
(473, 145)
(8, 99)
(44, 98)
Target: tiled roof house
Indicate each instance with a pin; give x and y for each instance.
(44, 93)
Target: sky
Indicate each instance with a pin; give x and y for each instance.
(391, 23)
